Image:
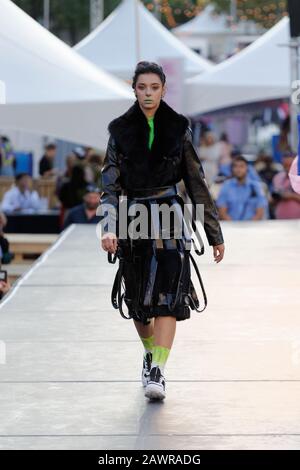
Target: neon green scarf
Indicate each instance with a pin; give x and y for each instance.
(151, 132)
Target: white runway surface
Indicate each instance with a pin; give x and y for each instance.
(70, 365)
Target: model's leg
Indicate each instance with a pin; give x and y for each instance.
(146, 334)
(144, 331)
(164, 333)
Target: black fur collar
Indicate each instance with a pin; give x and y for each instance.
(131, 133)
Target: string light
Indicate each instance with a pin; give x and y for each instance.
(175, 12)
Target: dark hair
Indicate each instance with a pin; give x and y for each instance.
(239, 158)
(224, 137)
(50, 146)
(92, 188)
(20, 175)
(78, 176)
(148, 67)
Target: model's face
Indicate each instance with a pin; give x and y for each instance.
(149, 90)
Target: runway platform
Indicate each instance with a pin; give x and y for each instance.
(70, 365)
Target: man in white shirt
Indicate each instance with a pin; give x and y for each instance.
(20, 197)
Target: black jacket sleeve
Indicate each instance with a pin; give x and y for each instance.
(198, 191)
(110, 182)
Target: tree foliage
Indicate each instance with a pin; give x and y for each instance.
(70, 18)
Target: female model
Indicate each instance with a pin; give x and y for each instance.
(149, 151)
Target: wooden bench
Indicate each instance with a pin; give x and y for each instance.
(5, 184)
(46, 188)
(14, 271)
(29, 244)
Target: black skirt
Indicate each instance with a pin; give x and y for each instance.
(154, 277)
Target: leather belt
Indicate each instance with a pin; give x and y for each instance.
(152, 193)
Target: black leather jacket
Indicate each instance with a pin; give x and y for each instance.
(185, 165)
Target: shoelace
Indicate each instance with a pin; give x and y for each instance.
(147, 362)
(156, 375)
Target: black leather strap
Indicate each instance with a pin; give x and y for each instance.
(201, 284)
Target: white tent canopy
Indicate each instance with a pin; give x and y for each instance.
(130, 34)
(2, 93)
(259, 72)
(206, 22)
(50, 89)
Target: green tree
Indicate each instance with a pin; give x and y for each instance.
(34, 8)
(265, 12)
(70, 18)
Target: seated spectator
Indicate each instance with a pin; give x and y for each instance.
(209, 151)
(5, 255)
(66, 175)
(93, 169)
(240, 197)
(225, 170)
(85, 213)
(267, 169)
(46, 166)
(294, 174)
(4, 288)
(73, 189)
(79, 153)
(7, 157)
(285, 199)
(21, 197)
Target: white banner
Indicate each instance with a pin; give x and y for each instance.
(174, 70)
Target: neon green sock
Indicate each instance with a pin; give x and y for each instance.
(159, 356)
(148, 343)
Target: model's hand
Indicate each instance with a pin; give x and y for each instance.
(109, 242)
(219, 252)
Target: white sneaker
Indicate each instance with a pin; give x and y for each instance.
(156, 388)
(147, 359)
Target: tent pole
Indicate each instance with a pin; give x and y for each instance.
(137, 30)
(233, 12)
(46, 14)
(157, 11)
(96, 13)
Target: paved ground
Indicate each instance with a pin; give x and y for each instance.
(71, 378)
